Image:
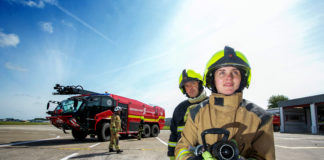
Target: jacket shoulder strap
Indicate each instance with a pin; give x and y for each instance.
(260, 112)
(195, 110)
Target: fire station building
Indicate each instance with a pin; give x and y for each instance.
(302, 115)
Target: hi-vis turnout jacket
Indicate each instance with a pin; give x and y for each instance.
(115, 123)
(249, 125)
(178, 122)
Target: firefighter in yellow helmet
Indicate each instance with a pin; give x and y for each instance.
(115, 127)
(140, 128)
(226, 126)
(190, 84)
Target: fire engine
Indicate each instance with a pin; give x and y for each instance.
(89, 113)
(275, 118)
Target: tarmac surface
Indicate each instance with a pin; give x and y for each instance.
(47, 142)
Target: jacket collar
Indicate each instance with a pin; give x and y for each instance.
(231, 101)
(200, 98)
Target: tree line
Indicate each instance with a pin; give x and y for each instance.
(275, 99)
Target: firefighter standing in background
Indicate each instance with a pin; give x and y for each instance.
(227, 73)
(140, 128)
(115, 127)
(191, 84)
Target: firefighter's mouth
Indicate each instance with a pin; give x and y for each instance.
(228, 84)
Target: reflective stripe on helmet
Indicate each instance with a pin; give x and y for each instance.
(117, 109)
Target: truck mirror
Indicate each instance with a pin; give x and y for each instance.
(48, 104)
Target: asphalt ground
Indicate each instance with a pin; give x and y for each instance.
(47, 142)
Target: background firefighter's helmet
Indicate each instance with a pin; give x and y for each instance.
(117, 109)
(189, 75)
(227, 57)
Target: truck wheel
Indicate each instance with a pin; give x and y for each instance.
(79, 135)
(146, 130)
(103, 133)
(276, 128)
(155, 130)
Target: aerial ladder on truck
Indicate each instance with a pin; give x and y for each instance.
(69, 90)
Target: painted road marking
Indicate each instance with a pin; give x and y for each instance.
(75, 154)
(161, 141)
(94, 145)
(74, 148)
(12, 144)
(300, 138)
(70, 156)
(88, 148)
(286, 147)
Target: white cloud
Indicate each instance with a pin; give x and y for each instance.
(46, 26)
(31, 3)
(34, 3)
(7, 40)
(13, 67)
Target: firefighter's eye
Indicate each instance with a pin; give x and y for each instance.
(220, 73)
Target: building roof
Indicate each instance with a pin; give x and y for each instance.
(302, 101)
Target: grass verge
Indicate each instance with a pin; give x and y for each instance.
(166, 127)
(23, 123)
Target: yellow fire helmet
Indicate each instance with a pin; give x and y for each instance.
(189, 75)
(227, 57)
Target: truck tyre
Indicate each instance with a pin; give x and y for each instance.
(155, 130)
(103, 133)
(79, 135)
(146, 130)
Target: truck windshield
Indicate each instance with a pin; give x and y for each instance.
(67, 106)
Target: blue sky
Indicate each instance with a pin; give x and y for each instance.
(138, 49)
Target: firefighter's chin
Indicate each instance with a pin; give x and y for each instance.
(227, 90)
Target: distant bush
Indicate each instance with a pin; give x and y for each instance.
(166, 127)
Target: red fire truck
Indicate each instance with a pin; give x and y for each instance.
(276, 118)
(89, 113)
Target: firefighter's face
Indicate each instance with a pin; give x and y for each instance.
(227, 80)
(192, 88)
